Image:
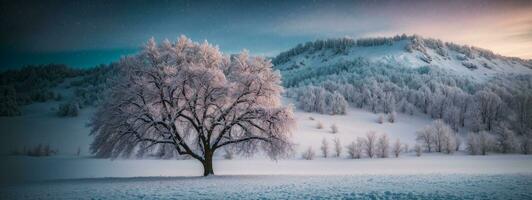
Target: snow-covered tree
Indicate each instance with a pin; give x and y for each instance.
(397, 148)
(383, 146)
(479, 143)
(324, 148)
(505, 139)
(526, 144)
(354, 149)
(438, 135)
(337, 147)
(308, 154)
(490, 107)
(523, 104)
(370, 143)
(338, 104)
(8, 102)
(425, 136)
(192, 97)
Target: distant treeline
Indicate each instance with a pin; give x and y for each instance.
(30, 84)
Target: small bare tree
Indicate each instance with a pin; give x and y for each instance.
(354, 149)
(369, 144)
(324, 147)
(418, 150)
(337, 147)
(479, 143)
(334, 128)
(392, 116)
(405, 148)
(426, 138)
(308, 154)
(383, 146)
(195, 99)
(78, 153)
(397, 148)
(526, 143)
(228, 154)
(458, 143)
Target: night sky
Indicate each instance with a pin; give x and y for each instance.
(86, 33)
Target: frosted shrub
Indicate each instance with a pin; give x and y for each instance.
(308, 154)
(380, 119)
(324, 147)
(319, 125)
(334, 128)
(337, 147)
(70, 109)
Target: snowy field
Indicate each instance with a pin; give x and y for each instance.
(28, 169)
(68, 134)
(435, 186)
(431, 176)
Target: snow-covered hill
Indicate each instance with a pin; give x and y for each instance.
(403, 51)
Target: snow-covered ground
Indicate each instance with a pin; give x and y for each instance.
(39, 125)
(282, 187)
(435, 176)
(17, 168)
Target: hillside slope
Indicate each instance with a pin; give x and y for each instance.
(403, 51)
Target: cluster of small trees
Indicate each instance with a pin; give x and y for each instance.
(438, 137)
(36, 151)
(370, 146)
(317, 99)
(391, 117)
(68, 109)
(338, 46)
(500, 140)
(460, 103)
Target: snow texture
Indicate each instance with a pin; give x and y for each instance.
(282, 187)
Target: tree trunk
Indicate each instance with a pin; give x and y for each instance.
(207, 165)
